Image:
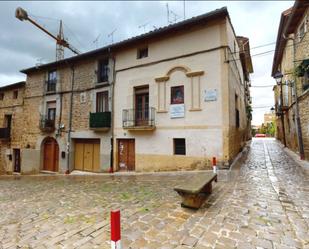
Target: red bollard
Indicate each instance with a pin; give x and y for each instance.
(115, 230)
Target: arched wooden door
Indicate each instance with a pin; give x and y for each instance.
(50, 154)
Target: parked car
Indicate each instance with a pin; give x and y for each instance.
(260, 135)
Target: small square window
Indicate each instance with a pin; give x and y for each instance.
(15, 94)
(179, 146)
(142, 53)
(1, 96)
(177, 95)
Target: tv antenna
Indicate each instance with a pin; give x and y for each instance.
(176, 17)
(96, 41)
(143, 26)
(112, 35)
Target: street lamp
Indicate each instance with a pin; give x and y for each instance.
(278, 77)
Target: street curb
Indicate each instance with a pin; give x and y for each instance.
(304, 165)
(241, 156)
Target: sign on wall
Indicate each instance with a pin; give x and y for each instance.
(177, 111)
(210, 95)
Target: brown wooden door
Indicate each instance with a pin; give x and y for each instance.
(51, 155)
(126, 154)
(16, 160)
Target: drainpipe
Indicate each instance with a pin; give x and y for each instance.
(111, 170)
(282, 115)
(70, 121)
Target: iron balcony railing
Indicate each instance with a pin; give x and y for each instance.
(100, 120)
(47, 124)
(5, 133)
(50, 85)
(138, 117)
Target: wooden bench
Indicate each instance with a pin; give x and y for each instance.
(196, 190)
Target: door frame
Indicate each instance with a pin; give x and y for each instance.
(118, 151)
(14, 160)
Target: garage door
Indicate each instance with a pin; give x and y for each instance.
(87, 155)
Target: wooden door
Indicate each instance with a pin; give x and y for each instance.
(87, 155)
(126, 154)
(50, 155)
(141, 109)
(16, 160)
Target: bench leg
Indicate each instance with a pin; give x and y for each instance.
(193, 201)
(207, 189)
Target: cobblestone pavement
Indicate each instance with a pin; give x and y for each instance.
(265, 204)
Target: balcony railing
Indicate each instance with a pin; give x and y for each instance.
(50, 85)
(5, 133)
(47, 125)
(100, 120)
(135, 119)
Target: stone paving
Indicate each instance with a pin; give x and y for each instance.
(264, 204)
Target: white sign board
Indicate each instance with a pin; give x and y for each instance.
(177, 111)
(210, 95)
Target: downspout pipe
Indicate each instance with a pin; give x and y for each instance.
(111, 170)
(70, 120)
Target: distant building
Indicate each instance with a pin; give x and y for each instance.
(268, 118)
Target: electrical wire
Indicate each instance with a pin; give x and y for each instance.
(263, 86)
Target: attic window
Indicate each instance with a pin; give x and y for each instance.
(142, 53)
(15, 94)
(1, 96)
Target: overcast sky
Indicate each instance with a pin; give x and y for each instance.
(22, 45)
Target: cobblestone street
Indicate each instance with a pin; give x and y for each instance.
(264, 203)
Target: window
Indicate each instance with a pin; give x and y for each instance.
(177, 95)
(305, 81)
(8, 121)
(51, 110)
(15, 94)
(51, 81)
(103, 71)
(142, 53)
(179, 146)
(102, 102)
(1, 96)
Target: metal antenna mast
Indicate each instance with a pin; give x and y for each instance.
(168, 13)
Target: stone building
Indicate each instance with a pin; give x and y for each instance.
(292, 60)
(11, 116)
(170, 99)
